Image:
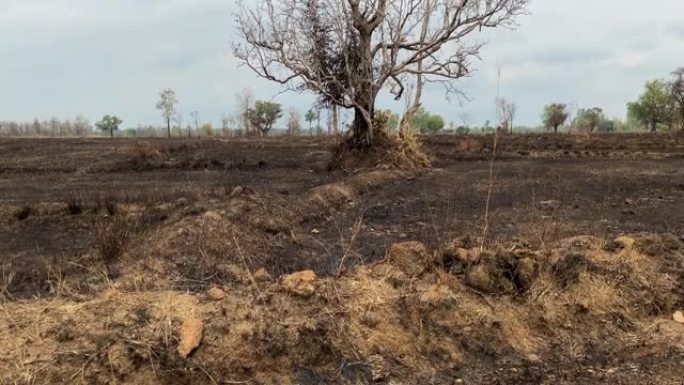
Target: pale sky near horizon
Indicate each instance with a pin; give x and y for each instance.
(60, 58)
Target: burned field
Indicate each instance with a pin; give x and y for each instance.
(113, 249)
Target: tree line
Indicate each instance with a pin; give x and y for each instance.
(79, 126)
(660, 106)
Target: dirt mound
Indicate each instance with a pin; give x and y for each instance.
(383, 322)
(388, 152)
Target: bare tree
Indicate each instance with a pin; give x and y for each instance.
(195, 119)
(506, 113)
(294, 122)
(677, 89)
(245, 100)
(167, 105)
(178, 119)
(225, 122)
(348, 50)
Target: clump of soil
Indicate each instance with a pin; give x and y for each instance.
(404, 320)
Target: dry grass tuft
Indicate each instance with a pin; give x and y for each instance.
(112, 235)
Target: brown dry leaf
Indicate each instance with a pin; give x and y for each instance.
(678, 316)
(190, 336)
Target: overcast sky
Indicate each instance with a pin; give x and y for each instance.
(66, 57)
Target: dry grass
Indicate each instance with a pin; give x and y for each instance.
(112, 235)
(374, 317)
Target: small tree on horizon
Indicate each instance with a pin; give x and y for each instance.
(109, 123)
(555, 115)
(294, 124)
(506, 111)
(310, 117)
(654, 106)
(167, 105)
(589, 119)
(264, 115)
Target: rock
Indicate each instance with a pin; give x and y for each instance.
(262, 275)
(315, 231)
(678, 317)
(190, 336)
(437, 295)
(301, 283)
(410, 257)
(216, 294)
(479, 277)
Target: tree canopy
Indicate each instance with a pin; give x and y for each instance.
(425, 122)
(167, 106)
(555, 115)
(589, 119)
(654, 106)
(109, 124)
(264, 115)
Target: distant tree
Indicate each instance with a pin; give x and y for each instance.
(654, 106)
(419, 119)
(589, 119)
(607, 126)
(54, 124)
(310, 117)
(206, 129)
(264, 115)
(245, 99)
(319, 129)
(506, 111)
(466, 120)
(82, 126)
(393, 121)
(487, 127)
(109, 124)
(425, 122)
(178, 119)
(167, 105)
(462, 130)
(225, 122)
(196, 119)
(677, 92)
(294, 122)
(37, 128)
(555, 115)
(435, 123)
